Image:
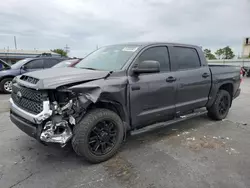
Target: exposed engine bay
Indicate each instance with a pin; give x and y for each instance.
(67, 110)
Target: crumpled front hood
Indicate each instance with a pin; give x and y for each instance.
(56, 77)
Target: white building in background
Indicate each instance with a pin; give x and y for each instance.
(246, 47)
(11, 56)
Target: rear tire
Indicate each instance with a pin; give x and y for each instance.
(5, 86)
(221, 106)
(99, 128)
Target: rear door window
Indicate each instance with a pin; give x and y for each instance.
(48, 63)
(186, 58)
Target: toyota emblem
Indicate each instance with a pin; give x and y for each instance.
(19, 95)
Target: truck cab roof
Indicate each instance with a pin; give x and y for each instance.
(145, 44)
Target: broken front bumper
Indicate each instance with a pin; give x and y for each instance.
(29, 128)
(27, 122)
(34, 125)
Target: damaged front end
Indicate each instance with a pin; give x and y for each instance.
(50, 114)
(59, 132)
(68, 108)
(58, 127)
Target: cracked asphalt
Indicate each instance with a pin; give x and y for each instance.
(195, 153)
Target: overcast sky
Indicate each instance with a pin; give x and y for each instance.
(83, 24)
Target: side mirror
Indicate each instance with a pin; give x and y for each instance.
(148, 66)
(23, 67)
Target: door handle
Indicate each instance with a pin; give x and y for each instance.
(170, 79)
(135, 88)
(205, 75)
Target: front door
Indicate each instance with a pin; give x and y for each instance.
(152, 96)
(33, 65)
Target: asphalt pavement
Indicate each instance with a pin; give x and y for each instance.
(4, 102)
(195, 153)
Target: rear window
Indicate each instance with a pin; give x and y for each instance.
(186, 58)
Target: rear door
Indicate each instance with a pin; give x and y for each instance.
(48, 63)
(193, 79)
(151, 96)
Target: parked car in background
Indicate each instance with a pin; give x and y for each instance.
(243, 71)
(24, 66)
(3, 65)
(67, 63)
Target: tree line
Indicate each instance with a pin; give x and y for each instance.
(62, 52)
(222, 53)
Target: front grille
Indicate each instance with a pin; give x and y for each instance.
(28, 99)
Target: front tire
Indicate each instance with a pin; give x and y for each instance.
(221, 106)
(6, 85)
(98, 136)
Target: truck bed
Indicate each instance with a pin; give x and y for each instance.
(224, 73)
(234, 62)
(224, 69)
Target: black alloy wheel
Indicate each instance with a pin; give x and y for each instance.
(98, 136)
(223, 105)
(102, 137)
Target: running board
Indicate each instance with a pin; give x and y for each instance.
(164, 124)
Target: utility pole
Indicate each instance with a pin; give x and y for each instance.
(15, 42)
(67, 48)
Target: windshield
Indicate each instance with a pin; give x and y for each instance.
(108, 58)
(3, 65)
(20, 63)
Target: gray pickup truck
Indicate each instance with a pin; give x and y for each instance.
(117, 90)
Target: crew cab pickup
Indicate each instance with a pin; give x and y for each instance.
(117, 90)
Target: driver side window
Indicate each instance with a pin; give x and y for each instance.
(159, 54)
(35, 64)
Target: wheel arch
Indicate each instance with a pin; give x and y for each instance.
(228, 87)
(115, 107)
(4, 77)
